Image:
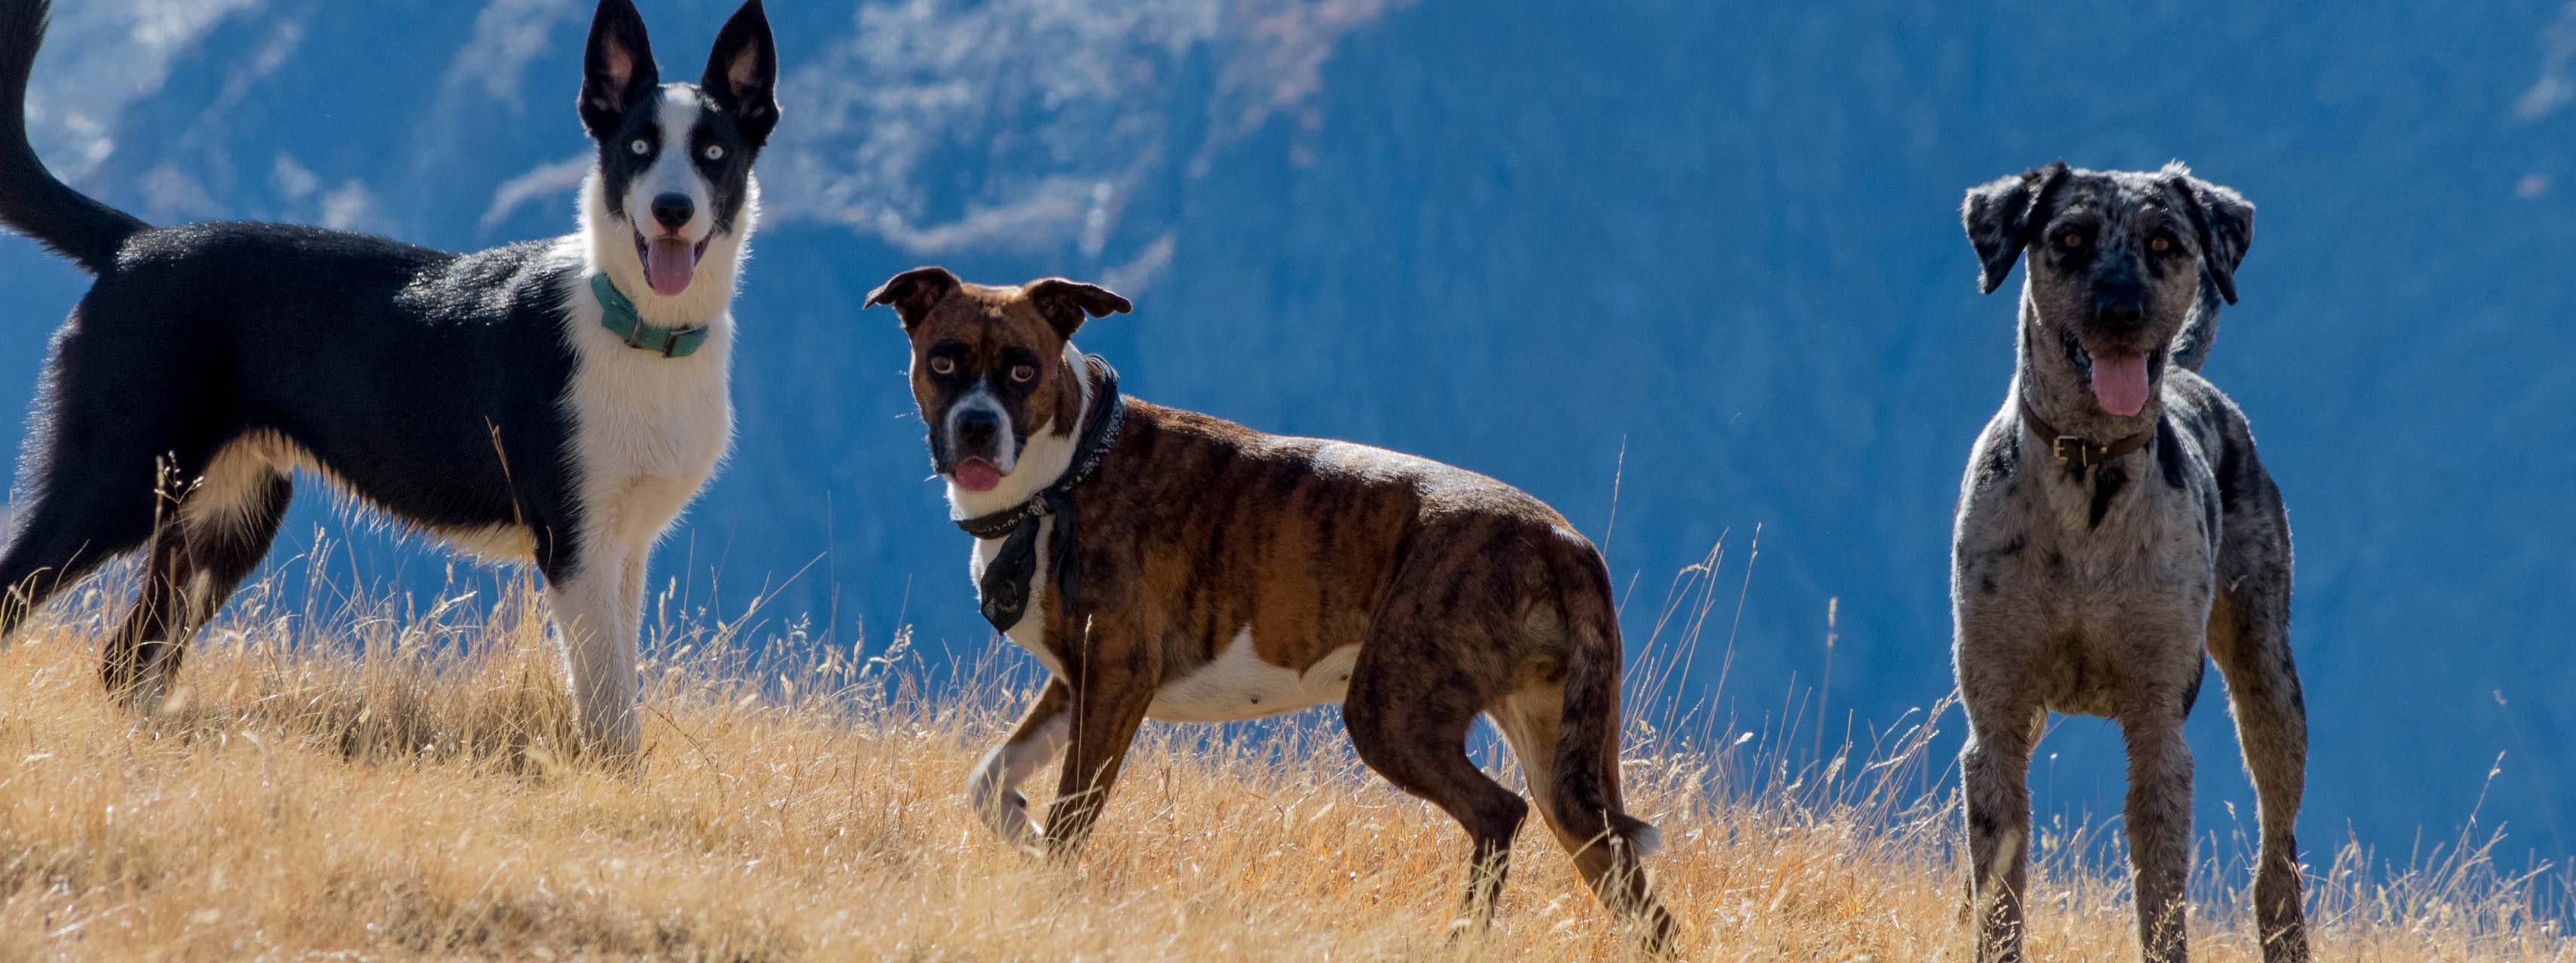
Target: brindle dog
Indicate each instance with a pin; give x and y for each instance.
(2114, 525)
(1229, 574)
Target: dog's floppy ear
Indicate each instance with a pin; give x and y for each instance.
(913, 293)
(1067, 303)
(2225, 221)
(742, 73)
(1998, 216)
(617, 70)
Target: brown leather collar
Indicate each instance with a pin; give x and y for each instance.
(2077, 450)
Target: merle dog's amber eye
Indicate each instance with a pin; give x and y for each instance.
(2071, 240)
(1024, 373)
(942, 366)
(2160, 244)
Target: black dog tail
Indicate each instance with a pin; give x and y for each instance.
(32, 200)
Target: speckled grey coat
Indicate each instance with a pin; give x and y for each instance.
(2094, 588)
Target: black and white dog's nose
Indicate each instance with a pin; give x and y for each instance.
(977, 431)
(673, 210)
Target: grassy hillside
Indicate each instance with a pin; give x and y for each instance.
(370, 782)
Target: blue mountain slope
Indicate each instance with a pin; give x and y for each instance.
(1529, 237)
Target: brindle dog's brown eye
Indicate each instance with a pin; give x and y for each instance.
(1024, 373)
(942, 366)
(2071, 240)
(2160, 244)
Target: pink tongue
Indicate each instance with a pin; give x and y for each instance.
(2120, 383)
(668, 265)
(977, 475)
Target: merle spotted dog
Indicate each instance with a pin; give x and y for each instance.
(2114, 525)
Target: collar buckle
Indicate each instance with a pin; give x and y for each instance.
(2073, 450)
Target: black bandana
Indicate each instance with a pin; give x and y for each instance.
(1005, 587)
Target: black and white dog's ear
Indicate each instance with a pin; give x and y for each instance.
(1998, 216)
(2225, 221)
(1067, 304)
(742, 73)
(617, 70)
(913, 293)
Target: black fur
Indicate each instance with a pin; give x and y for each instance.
(2169, 454)
(31, 199)
(430, 382)
(2107, 482)
(617, 70)
(742, 75)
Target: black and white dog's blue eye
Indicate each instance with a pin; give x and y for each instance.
(714, 152)
(640, 147)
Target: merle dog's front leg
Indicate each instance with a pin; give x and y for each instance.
(1999, 650)
(2158, 818)
(1994, 771)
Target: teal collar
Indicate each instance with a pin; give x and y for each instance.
(617, 314)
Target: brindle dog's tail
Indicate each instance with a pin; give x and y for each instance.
(1583, 799)
(2191, 347)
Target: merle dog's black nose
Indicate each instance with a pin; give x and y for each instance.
(977, 431)
(2119, 313)
(673, 210)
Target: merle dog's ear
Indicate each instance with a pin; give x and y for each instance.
(1067, 303)
(617, 70)
(913, 293)
(1998, 216)
(742, 73)
(2225, 221)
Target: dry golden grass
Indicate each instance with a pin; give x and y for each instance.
(369, 783)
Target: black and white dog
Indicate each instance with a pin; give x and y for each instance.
(555, 401)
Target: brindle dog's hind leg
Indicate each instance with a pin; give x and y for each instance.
(1429, 667)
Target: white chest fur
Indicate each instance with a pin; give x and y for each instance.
(648, 430)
